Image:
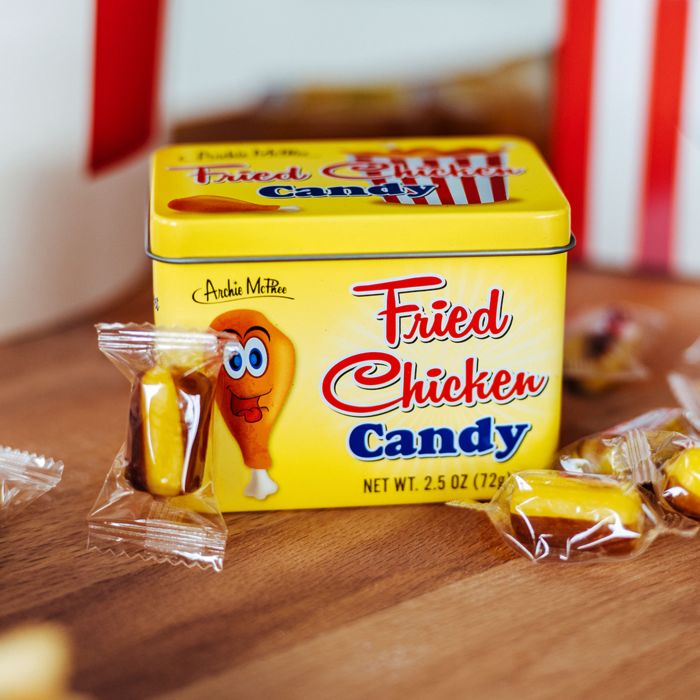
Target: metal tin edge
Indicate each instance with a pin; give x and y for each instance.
(365, 256)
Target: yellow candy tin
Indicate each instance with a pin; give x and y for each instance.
(400, 307)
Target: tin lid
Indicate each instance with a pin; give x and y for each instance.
(354, 198)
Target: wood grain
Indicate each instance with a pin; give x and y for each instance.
(413, 601)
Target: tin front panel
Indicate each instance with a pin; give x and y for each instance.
(377, 381)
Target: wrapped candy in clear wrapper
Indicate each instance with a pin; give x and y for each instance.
(678, 483)
(669, 465)
(604, 347)
(658, 451)
(608, 495)
(24, 477)
(555, 516)
(600, 453)
(158, 500)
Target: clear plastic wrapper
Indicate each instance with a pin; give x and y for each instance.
(605, 346)
(669, 465)
(659, 451)
(685, 386)
(692, 353)
(24, 477)
(601, 454)
(678, 478)
(679, 481)
(158, 500)
(556, 516)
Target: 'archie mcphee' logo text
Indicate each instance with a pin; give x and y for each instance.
(389, 383)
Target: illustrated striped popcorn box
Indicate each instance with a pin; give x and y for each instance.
(458, 176)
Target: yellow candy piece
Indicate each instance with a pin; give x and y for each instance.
(163, 438)
(555, 515)
(575, 497)
(682, 487)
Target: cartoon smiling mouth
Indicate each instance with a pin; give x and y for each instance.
(248, 407)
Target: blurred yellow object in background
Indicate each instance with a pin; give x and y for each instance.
(35, 663)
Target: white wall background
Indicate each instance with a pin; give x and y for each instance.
(222, 54)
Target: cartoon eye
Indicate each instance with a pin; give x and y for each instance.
(256, 355)
(234, 363)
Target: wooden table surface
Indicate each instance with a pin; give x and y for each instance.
(410, 601)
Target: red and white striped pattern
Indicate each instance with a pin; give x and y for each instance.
(451, 189)
(627, 131)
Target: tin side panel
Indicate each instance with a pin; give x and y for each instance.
(383, 381)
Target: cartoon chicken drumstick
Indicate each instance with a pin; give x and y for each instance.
(251, 389)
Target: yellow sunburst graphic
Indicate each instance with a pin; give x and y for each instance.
(311, 461)
(532, 345)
